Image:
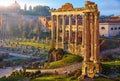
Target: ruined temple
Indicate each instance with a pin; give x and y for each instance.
(76, 30)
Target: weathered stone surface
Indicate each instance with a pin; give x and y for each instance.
(76, 30)
(55, 55)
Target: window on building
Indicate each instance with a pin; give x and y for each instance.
(115, 28)
(103, 28)
(111, 28)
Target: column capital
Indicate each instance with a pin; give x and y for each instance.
(70, 15)
(63, 15)
(97, 14)
(86, 14)
(58, 15)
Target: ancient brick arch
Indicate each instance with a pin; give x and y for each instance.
(76, 30)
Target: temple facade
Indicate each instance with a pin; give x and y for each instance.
(76, 30)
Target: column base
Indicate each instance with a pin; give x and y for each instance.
(91, 58)
(90, 69)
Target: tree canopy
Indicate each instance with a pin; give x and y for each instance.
(37, 10)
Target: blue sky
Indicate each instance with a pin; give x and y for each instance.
(106, 7)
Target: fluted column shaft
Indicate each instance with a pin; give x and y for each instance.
(57, 33)
(83, 31)
(52, 32)
(63, 31)
(92, 36)
(70, 28)
(76, 33)
(96, 39)
(86, 46)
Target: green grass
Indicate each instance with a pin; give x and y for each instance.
(36, 44)
(113, 63)
(10, 79)
(54, 78)
(110, 67)
(118, 78)
(68, 59)
(68, 78)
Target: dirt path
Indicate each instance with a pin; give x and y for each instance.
(62, 70)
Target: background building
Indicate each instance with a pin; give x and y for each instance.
(110, 27)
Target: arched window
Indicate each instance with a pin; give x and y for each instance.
(119, 28)
(111, 28)
(115, 28)
(103, 28)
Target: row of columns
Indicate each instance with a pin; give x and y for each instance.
(91, 37)
(63, 29)
(90, 34)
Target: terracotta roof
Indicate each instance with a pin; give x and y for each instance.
(110, 20)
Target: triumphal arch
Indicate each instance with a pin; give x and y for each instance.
(76, 30)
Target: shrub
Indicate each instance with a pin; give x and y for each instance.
(78, 72)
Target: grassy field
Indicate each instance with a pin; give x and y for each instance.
(36, 44)
(113, 63)
(110, 67)
(54, 78)
(68, 78)
(68, 59)
(10, 79)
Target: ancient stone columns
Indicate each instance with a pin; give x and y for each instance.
(63, 31)
(91, 63)
(96, 39)
(76, 33)
(70, 27)
(90, 47)
(86, 37)
(57, 32)
(62, 22)
(92, 35)
(52, 31)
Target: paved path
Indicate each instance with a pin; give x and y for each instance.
(7, 71)
(62, 70)
(21, 55)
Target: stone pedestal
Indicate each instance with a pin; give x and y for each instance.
(90, 69)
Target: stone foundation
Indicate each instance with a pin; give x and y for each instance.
(90, 69)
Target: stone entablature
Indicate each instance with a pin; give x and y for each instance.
(89, 7)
